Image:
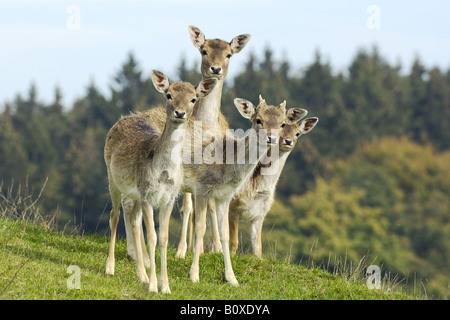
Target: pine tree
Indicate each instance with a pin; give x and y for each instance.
(370, 96)
(130, 90)
(35, 139)
(92, 110)
(57, 125)
(417, 91)
(437, 110)
(13, 157)
(191, 75)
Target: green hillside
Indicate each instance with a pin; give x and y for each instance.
(35, 264)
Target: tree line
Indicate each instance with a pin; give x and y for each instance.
(373, 178)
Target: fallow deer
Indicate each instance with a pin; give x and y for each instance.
(220, 181)
(216, 55)
(142, 165)
(254, 200)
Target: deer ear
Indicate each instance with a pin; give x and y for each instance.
(197, 36)
(294, 115)
(262, 100)
(308, 124)
(160, 81)
(283, 104)
(245, 107)
(205, 87)
(238, 43)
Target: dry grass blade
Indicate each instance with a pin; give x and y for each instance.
(20, 204)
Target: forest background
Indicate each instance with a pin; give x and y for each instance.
(372, 180)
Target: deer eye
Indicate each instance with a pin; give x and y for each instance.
(298, 134)
(168, 96)
(228, 56)
(283, 125)
(204, 52)
(193, 100)
(258, 121)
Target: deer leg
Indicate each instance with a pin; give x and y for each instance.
(216, 246)
(164, 218)
(200, 226)
(143, 248)
(187, 209)
(222, 218)
(234, 232)
(127, 206)
(256, 230)
(136, 228)
(147, 211)
(113, 221)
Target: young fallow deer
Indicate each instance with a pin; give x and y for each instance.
(254, 200)
(145, 165)
(216, 56)
(220, 181)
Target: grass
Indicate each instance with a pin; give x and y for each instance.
(34, 261)
(35, 264)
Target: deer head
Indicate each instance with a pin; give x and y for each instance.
(292, 130)
(180, 96)
(270, 118)
(216, 53)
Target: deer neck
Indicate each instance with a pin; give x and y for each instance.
(243, 171)
(273, 165)
(171, 143)
(208, 108)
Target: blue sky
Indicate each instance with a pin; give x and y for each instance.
(41, 41)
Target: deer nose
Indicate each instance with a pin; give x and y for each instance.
(216, 70)
(179, 114)
(288, 142)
